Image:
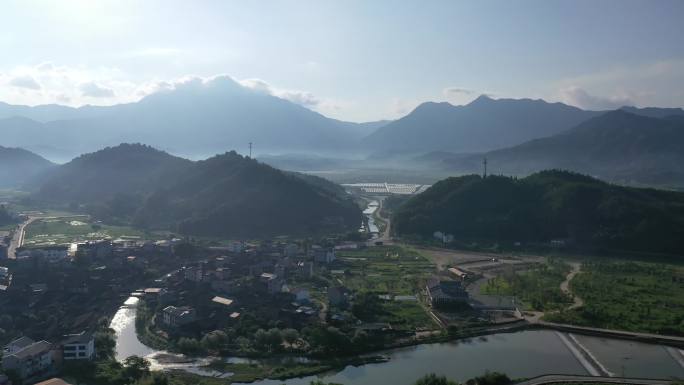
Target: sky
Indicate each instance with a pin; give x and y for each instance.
(353, 60)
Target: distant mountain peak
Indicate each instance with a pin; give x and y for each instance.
(481, 100)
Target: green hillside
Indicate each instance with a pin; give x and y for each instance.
(548, 205)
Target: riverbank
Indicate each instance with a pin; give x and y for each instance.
(229, 373)
(460, 355)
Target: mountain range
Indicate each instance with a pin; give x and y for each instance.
(618, 146)
(195, 118)
(484, 124)
(226, 195)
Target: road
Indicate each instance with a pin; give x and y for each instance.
(562, 378)
(18, 238)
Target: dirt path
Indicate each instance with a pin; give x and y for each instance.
(565, 285)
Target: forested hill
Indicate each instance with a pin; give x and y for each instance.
(226, 195)
(233, 195)
(544, 206)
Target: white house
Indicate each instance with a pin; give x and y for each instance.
(78, 346)
(178, 316)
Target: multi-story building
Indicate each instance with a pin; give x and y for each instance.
(33, 361)
(78, 346)
(178, 316)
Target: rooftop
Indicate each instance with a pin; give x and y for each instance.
(33, 350)
(53, 381)
(178, 311)
(222, 301)
(80, 338)
(20, 343)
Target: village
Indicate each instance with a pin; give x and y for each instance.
(249, 298)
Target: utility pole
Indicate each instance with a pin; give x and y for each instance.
(484, 163)
(250, 150)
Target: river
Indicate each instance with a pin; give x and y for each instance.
(520, 354)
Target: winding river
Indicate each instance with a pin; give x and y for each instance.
(520, 354)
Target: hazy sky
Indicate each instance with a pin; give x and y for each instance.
(353, 60)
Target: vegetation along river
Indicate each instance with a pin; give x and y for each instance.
(520, 354)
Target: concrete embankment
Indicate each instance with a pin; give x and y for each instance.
(618, 334)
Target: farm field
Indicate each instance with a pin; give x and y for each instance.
(392, 271)
(633, 296)
(537, 289)
(68, 229)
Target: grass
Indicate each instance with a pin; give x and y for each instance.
(64, 230)
(633, 296)
(537, 289)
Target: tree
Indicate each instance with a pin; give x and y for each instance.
(215, 340)
(290, 336)
(270, 340)
(490, 378)
(105, 343)
(433, 379)
(136, 367)
(189, 345)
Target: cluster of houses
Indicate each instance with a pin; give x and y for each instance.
(242, 270)
(37, 360)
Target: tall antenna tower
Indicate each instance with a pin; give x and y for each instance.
(250, 150)
(484, 163)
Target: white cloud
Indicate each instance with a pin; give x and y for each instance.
(449, 91)
(95, 90)
(304, 98)
(649, 84)
(75, 86)
(25, 81)
(578, 97)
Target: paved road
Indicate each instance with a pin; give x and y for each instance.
(18, 238)
(562, 378)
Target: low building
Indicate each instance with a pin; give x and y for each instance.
(222, 301)
(193, 273)
(35, 360)
(79, 346)
(174, 317)
(458, 273)
(338, 296)
(4, 380)
(323, 254)
(274, 284)
(50, 253)
(291, 250)
(301, 295)
(446, 293)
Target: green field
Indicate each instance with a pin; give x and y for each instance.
(634, 296)
(63, 230)
(537, 289)
(391, 270)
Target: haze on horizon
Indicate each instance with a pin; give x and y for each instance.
(355, 61)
